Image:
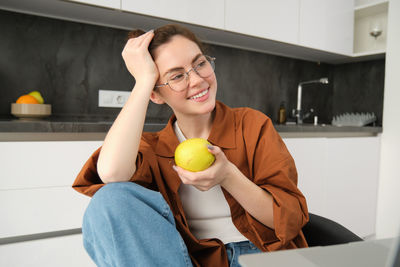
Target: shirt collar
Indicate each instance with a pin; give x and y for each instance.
(181, 137)
(222, 132)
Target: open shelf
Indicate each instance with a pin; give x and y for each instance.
(371, 9)
(364, 44)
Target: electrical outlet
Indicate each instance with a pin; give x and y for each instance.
(113, 99)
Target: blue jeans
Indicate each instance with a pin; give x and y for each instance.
(234, 250)
(126, 224)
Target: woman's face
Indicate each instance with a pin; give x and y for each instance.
(180, 53)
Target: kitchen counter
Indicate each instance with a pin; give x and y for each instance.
(87, 129)
(323, 130)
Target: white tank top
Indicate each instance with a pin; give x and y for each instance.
(208, 213)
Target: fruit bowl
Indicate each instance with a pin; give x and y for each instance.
(30, 111)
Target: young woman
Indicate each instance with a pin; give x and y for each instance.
(149, 212)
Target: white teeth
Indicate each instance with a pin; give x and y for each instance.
(200, 94)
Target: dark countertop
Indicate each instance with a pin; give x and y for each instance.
(66, 125)
(96, 128)
(326, 128)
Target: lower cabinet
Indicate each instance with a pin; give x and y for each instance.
(40, 210)
(339, 178)
(64, 251)
(37, 200)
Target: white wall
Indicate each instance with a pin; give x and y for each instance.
(388, 211)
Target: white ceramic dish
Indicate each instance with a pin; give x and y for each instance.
(30, 111)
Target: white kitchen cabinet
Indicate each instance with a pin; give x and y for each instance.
(27, 165)
(275, 20)
(269, 26)
(36, 198)
(327, 25)
(35, 186)
(41, 210)
(339, 178)
(209, 13)
(352, 173)
(309, 156)
(115, 4)
(64, 251)
(370, 15)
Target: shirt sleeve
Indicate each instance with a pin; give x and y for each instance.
(274, 170)
(88, 181)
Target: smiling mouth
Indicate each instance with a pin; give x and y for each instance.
(202, 93)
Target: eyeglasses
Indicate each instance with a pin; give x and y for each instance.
(178, 81)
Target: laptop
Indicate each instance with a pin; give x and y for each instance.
(394, 254)
(373, 253)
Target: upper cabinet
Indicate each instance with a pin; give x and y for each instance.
(370, 27)
(327, 25)
(116, 4)
(314, 30)
(270, 19)
(209, 13)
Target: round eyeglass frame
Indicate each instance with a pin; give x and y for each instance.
(210, 59)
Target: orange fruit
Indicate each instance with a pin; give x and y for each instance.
(27, 99)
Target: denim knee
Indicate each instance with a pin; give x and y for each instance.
(126, 224)
(113, 191)
(108, 196)
(116, 199)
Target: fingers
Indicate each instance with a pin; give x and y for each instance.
(201, 180)
(182, 172)
(185, 175)
(139, 61)
(208, 178)
(216, 151)
(213, 149)
(142, 40)
(147, 37)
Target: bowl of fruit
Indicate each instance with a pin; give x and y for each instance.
(30, 106)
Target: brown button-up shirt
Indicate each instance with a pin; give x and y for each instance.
(249, 140)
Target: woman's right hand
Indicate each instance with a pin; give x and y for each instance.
(139, 61)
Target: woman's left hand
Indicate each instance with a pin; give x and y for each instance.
(218, 173)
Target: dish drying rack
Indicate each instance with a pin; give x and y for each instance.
(353, 119)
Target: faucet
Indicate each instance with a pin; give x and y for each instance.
(298, 113)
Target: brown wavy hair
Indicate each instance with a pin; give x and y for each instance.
(164, 34)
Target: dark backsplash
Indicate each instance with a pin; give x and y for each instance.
(69, 62)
